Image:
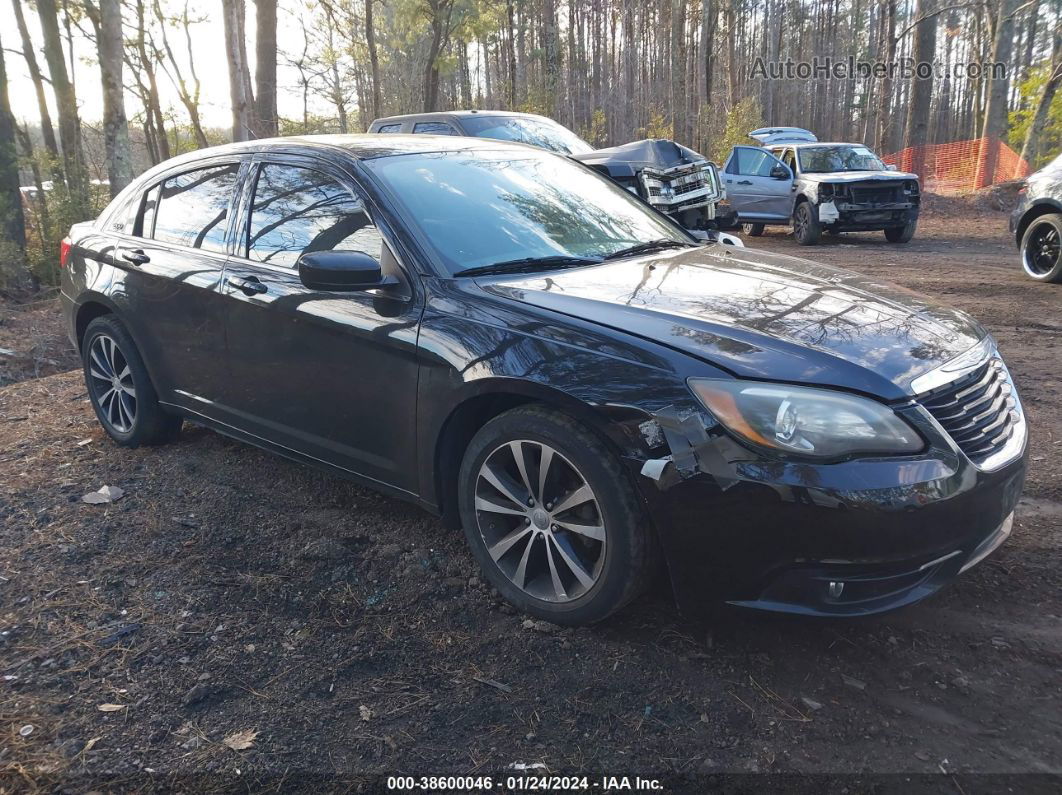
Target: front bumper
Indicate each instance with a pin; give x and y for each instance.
(847, 539)
(856, 218)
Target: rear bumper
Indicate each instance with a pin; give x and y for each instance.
(883, 537)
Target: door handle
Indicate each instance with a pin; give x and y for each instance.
(745, 182)
(248, 285)
(136, 257)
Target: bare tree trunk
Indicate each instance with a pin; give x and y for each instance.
(881, 137)
(12, 221)
(66, 103)
(265, 68)
(374, 61)
(240, 93)
(439, 21)
(47, 131)
(678, 71)
(1030, 149)
(115, 125)
(995, 126)
(189, 96)
(916, 130)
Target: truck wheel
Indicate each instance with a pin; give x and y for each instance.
(553, 519)
(806, 227)
(752, 230)
(1041, 249)
(901, 234)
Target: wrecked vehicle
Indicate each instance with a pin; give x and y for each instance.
(579, 384)
(672, 178)
(834, 187)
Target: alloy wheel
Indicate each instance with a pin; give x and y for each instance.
(540, 521)
(1043, 249)
(111, 381)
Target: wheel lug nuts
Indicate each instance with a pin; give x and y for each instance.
(527, 520)
(549, 506)
(530, 502)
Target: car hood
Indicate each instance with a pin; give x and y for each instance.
(761, 315)
(857, 176)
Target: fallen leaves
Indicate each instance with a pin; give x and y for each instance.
(110, 707)
(366, 713)
(241, 740)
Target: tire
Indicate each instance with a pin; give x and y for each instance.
(806, 227)
(901, 234)
(1041, 249)
(615, 549)
(752, 230)
(110, 359)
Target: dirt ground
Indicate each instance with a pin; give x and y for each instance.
(231, 598)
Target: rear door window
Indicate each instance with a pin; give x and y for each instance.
(434, 128)
(193, 208)
(389, 128)
(298, 210)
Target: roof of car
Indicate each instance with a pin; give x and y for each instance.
(363, 146)
(442, 113)
(808, 144)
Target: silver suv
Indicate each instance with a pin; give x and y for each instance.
(793, 178)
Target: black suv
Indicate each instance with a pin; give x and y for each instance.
(1036, 223)
(506, 338)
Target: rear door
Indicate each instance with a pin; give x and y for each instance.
(173, 259)
(330, 375)
(754, 194)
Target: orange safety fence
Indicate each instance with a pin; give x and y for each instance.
(961, 165)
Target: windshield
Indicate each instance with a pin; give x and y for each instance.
(544, 133)
(824, 159)
(483, 207)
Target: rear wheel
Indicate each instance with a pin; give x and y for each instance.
(1041, 249)
(752, 230)
(119, 388)
(806, 227)
(901, 234)
(552, 517)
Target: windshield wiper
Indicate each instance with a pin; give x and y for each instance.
(527, 265)
(652, 245)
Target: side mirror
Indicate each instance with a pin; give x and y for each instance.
(341, 271)
(780, 172)
(890, 167)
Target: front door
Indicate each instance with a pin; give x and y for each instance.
(754, 194)
(330, 375)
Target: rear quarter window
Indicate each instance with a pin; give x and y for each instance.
(389, 128)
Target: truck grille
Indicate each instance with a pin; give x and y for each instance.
(681, 187)
(877, 194)
(979, 411)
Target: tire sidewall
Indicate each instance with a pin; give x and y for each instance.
(906, 232)
(145, 392)
(812, 231)
(621, 524)
(1055, 274)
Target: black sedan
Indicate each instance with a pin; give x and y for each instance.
(510, 340)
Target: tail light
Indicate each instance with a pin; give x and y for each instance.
(64, 251)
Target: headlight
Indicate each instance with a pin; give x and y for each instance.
(818, 423)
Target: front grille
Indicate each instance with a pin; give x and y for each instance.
(979, 411)
(876, 195)
(680, 187)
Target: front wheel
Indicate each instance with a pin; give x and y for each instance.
(1041, 249)
(752, 230)
(552, 517)
(120, 389)
(806, 226)
(901, 234)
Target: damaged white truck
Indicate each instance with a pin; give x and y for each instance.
(792, 178)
